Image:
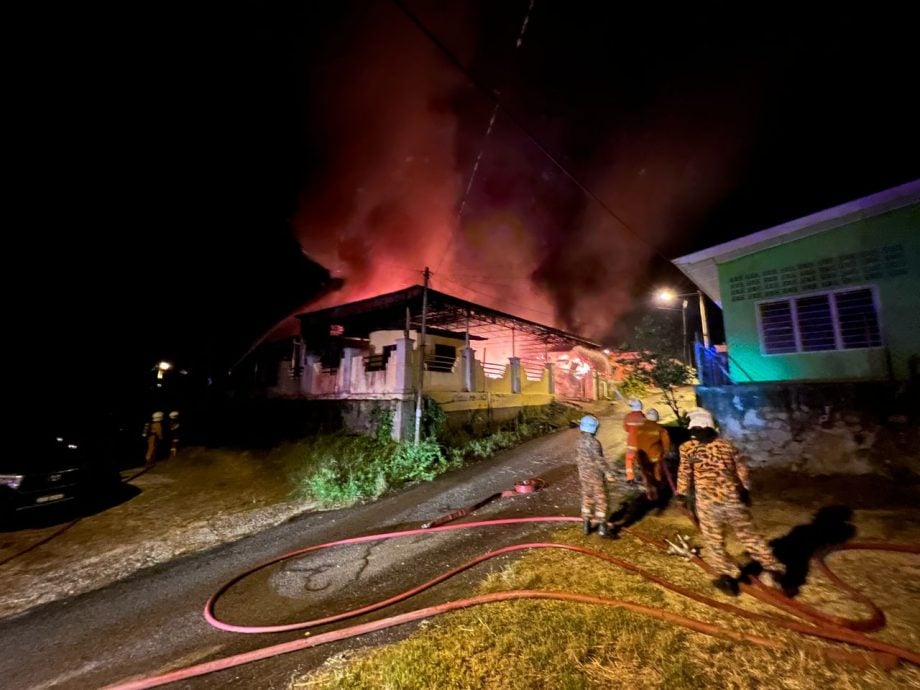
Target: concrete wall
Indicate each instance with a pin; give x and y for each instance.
(882, 252)
(844, 428)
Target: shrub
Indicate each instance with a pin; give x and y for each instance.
(633, 387)
(337, 469)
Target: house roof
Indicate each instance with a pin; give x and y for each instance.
(445, 313)
(702, 267)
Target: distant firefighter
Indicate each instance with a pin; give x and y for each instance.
(633, 420)
(156, 437)
(173, 433)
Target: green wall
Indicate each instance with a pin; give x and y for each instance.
(882, 251)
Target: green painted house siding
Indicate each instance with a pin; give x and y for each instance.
(881, 252)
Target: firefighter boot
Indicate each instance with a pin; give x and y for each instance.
(771, 579)
(587, 527)
(726, 584)
(603, 530)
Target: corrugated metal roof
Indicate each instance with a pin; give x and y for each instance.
(702, 267)
(445, 312)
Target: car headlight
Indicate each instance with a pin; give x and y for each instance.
(11, 480)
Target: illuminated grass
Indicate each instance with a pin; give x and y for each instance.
(544, 644)
(340, 469)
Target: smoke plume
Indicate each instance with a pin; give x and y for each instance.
(401, 130)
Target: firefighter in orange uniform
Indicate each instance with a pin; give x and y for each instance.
(632, 422)
(652, 443)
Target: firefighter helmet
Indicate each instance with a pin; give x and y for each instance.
(701, 418)
(589, 423)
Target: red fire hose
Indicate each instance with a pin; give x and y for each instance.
(816, 623)
(528, 486)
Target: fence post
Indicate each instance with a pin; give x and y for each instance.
(469, 372)
(551, 378)
(515, 374)
(309, 371)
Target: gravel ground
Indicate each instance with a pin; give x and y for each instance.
(200, 499)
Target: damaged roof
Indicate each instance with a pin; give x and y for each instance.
(445, 313)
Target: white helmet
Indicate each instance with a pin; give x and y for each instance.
(701, 418)
(174, 414)
(635, 404)
(652, 414)
(158, 416)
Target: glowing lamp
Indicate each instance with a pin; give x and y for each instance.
(163, 367)
(665, 295)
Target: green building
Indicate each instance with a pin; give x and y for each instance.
(834, 296)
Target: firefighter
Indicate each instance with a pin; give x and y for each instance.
(652, 444)
(631, 423)
(155, 435)
(173, 433)
(594, 476)
(714, 469)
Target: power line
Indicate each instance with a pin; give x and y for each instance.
(499, 282)
(482, 275)
(500, 299)
(469, 185)
(482, 147)
(456, 62)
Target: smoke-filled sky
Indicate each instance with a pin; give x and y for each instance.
(199, 173)
(420, 174)
(661, 115)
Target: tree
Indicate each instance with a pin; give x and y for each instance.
(654, 361)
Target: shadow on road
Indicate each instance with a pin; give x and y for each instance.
(830, 525)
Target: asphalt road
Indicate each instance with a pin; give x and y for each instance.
(152, 622)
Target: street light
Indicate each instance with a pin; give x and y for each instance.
(161, 368)
(668, 296)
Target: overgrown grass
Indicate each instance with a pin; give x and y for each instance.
(530, 644)
(338, 469)
(341, 468)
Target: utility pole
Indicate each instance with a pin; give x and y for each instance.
(684, 333)
(421, 361)
(704, 325)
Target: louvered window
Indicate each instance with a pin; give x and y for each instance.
(816, 325)
(839, 320)
(857, 319)
(776, 329)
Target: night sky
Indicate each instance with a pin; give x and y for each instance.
(179, 159)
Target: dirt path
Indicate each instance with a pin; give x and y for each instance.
(199, 500)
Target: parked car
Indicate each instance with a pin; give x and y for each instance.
(49, 470)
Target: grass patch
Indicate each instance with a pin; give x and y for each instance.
(340, 469)
(530, 644)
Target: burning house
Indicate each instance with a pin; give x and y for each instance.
(371, 354)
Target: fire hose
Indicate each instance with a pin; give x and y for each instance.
(813, 623)
(528, 486)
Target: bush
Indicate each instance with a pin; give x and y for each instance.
(411, 462)
(633, 387)
(337, 469)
